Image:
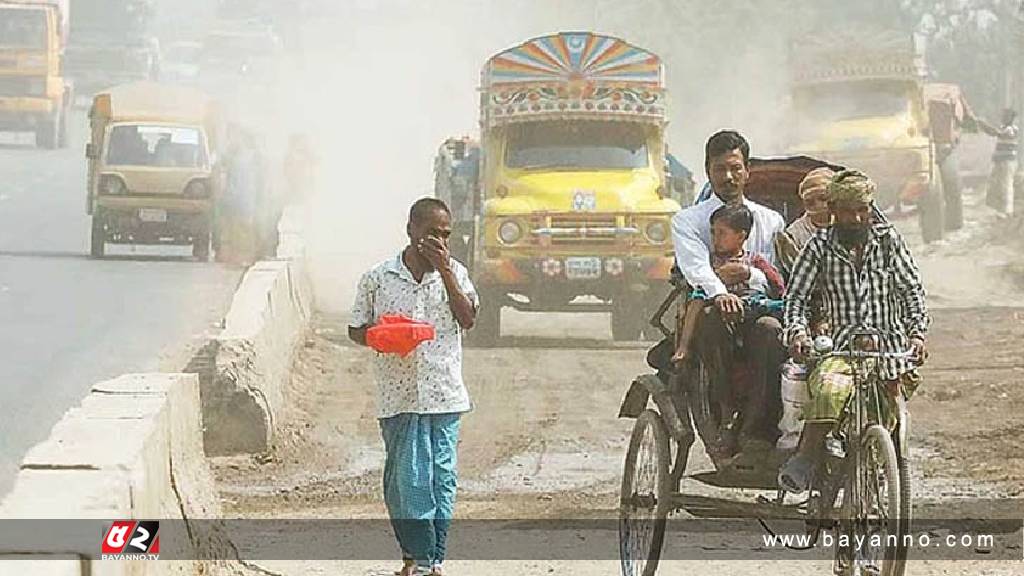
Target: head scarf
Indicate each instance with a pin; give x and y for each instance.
(851, 186)
(816, 181)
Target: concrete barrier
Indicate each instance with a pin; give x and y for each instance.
(253, 355)
(131, 449)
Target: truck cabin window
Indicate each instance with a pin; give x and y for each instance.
(21, 28)
(576, 146)
(157, 146)
(839, 102)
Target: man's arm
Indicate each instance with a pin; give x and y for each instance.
(693, 256)
(362, 310)
(798, 293)
(911, 292)
(463, 306)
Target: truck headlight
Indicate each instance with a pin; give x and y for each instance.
(656, 232)
(111, 185)
(197, 189)
(510, 232)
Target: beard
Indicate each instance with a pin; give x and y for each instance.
(852, 235)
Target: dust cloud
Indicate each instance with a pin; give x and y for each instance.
(384, 83)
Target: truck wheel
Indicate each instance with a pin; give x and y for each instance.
(486, 330)
(201, 247)
(930, 211)
(98, 239)
(48, 134)
(628, 319)
(952, 192)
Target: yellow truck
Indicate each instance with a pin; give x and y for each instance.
(34, 95)
(152, 158)
(568, 207)
(858, 101)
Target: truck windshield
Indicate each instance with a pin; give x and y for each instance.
(834, 103)
(576, 146)
(22, 28)
(160, 146)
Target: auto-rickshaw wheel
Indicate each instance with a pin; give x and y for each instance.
(645, 499)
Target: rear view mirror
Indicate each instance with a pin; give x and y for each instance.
(90, 150)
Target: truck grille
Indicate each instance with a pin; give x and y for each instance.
(569, 229)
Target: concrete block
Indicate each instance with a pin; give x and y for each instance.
(59, 494)
(138, 384)
(268, 318)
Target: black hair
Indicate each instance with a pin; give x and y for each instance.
(425, 207)
(723, 142)
(736, 216)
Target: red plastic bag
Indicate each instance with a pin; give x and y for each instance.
(397, 334)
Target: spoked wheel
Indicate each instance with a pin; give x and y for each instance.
(872, 511)
(645, 499)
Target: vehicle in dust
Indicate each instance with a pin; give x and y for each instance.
(152, 177)
(34, 95)
(858, 100)
(568, 208)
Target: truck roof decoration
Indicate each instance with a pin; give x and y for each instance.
(858, 55)
(573, 74)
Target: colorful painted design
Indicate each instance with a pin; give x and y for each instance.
(574, 57)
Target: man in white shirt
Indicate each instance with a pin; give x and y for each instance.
(726, 161)
(420, 397)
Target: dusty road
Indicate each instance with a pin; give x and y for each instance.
(68, 321)
(544, 441)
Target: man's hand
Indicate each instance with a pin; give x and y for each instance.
(436, 252)
(733, 273)
(920, 350)
(800, 347)
(730, 306)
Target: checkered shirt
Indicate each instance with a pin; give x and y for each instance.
(886, 294)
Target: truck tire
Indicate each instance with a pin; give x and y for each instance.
(201, 246)
(98, 238)
(952, 192)
(48, 134)
(931, 209)
(628, 319)
(486, 332)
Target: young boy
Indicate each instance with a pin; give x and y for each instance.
(730, 227)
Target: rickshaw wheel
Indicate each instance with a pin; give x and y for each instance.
(645, 499)
(874, 506)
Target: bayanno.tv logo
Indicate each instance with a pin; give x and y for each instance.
(132, 540)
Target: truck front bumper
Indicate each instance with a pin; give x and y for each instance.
(153, 220)
(25, 113)
(559, 279)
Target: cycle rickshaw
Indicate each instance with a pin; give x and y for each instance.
(862, 488)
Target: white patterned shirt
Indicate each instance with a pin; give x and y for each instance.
(429, 380)
(691, 234)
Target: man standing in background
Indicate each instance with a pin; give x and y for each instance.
(1004, 162)
(421, 397)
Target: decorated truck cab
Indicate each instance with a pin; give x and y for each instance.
(568, 208)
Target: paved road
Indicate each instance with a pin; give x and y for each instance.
(67, 321)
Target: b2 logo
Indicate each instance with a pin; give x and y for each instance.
(130, 540)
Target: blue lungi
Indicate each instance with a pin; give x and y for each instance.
(420, 480)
